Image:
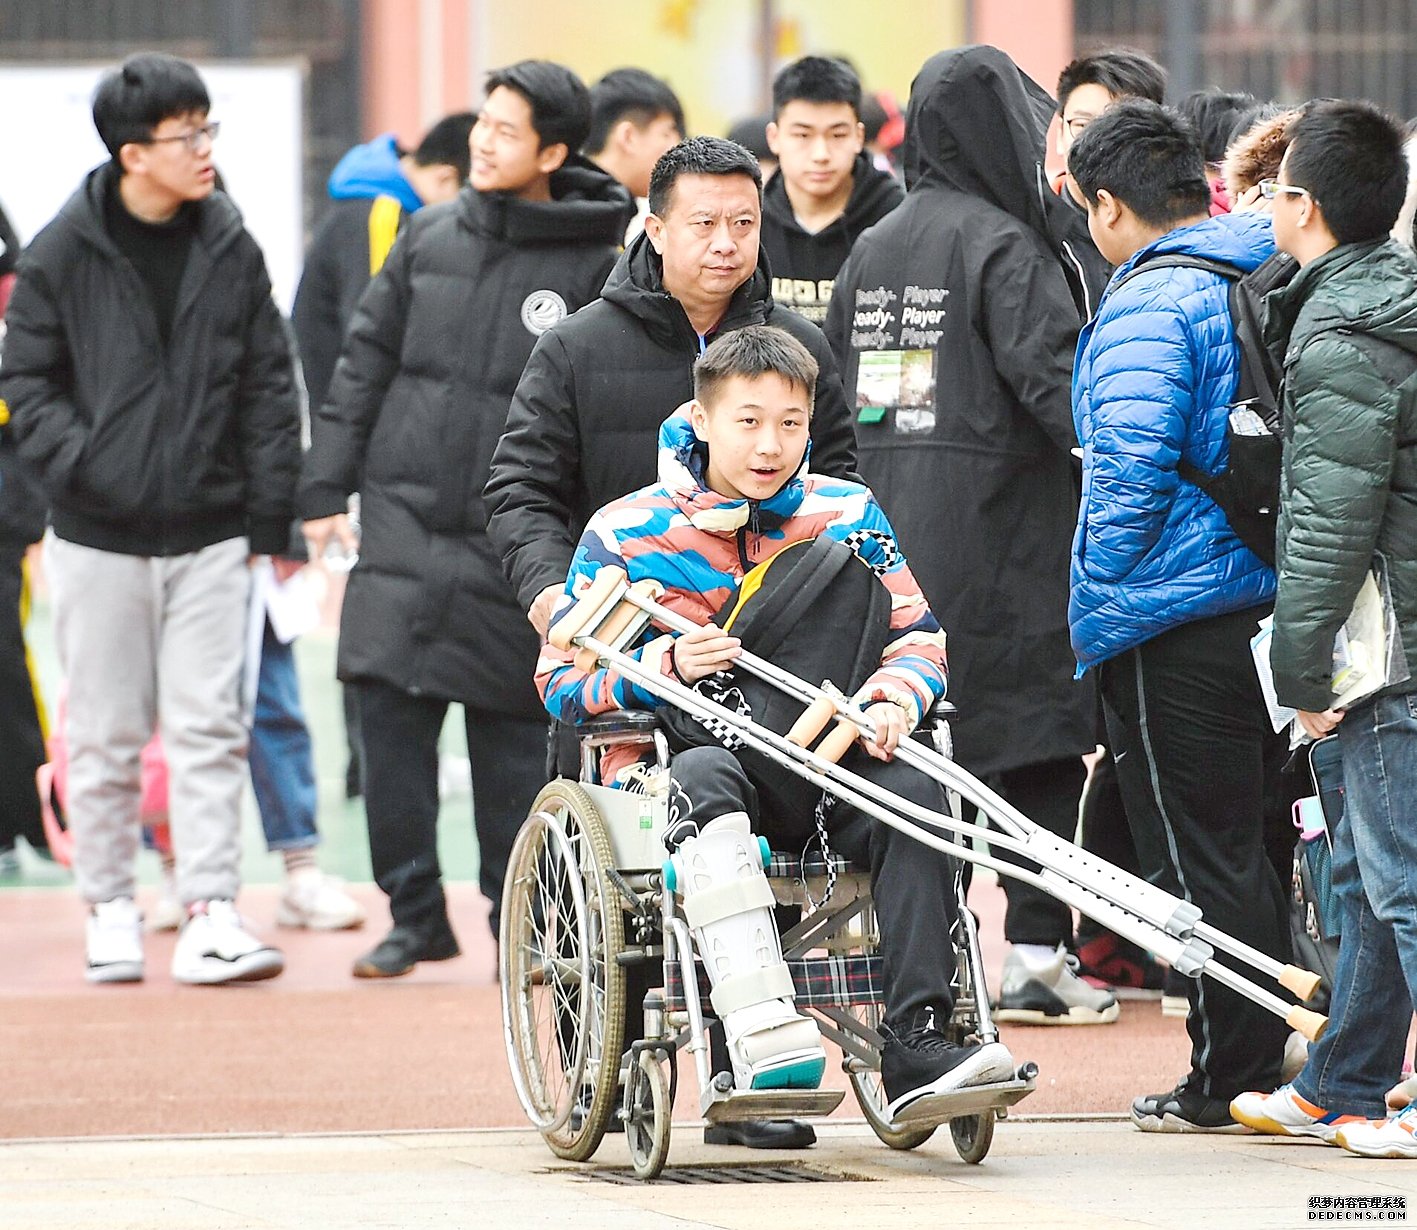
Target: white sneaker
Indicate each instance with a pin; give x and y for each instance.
(1285, 1113)
(1391, 1137)
(114, 942)
(167, 914)
(317, 901)
(1048, 991)
(216, 947)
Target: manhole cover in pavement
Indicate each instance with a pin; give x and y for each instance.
(791, 1172)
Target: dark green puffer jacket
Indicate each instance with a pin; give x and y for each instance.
(1349, 482)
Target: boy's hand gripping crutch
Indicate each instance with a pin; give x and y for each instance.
(611, 616)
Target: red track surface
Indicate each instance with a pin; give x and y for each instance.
(315, 1050)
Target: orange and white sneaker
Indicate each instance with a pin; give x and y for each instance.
(1382, 1137)
(1285, 1113)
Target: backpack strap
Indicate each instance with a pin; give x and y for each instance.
(384, 217)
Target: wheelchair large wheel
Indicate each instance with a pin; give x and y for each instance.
(563, 992)
(871, 1096)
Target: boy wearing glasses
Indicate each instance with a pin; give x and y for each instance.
(150, 383)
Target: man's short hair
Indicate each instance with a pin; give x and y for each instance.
(750, 352)
(1214, 114)
(699, 156)
(149, 87)
(1350, 158)
(445, 144)
(816, 79)
(1121, 71)
(629, 94)
(559, 100)
(1147, 157)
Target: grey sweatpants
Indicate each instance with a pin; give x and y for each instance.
(153, 643)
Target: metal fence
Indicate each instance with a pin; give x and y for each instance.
(1287, 50)
(324, 33)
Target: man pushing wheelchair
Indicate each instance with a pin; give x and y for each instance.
(806, 570)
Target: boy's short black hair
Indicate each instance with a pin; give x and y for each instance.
(559, 100)
(816, 79)
(445, 144)
(1147, 157)
(1350, 158)
(1122, 71)
(149, 87)
(699, 156)
(629, 94)
(1214, 114)
(753, 351)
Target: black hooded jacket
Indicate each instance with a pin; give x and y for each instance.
(146, 447)
(414, 411)
(955, 326)
(804, 264)
(583, 428)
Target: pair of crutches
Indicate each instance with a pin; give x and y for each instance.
(612, 614)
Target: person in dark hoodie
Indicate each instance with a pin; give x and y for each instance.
(414, 410)
(374, 188)
(826, 190)
(955, 326)
(583, 428)
(151, 385)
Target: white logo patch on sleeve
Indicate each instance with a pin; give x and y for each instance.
(541, 309)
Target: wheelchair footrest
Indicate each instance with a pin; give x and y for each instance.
(740, 1104)
(937, 1108)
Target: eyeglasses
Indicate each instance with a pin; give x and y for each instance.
(193, 140)
(1271, 188)
(1078, 123)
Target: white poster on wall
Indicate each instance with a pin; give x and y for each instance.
(48, 144)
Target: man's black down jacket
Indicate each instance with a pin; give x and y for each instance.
(414, 410)
(142, 448)
(583, 428)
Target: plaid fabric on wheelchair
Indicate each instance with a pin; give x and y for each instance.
(853, 980)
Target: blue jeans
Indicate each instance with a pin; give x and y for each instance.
(1375, 881)
(282, 759)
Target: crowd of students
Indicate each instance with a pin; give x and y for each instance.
(493, 329)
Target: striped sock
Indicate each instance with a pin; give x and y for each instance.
(302, 859)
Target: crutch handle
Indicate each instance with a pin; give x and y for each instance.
(813, 721)
(1301, 981)
(834, 746)
(573, 622)
(1308, 1022)
(617, 623)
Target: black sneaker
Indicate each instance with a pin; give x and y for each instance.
(1182, 1110)
(405, 947)
(917, 1060)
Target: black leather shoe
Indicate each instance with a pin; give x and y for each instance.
(403, 948)
(762, 1134)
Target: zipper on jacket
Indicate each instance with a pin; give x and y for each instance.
(753, 525)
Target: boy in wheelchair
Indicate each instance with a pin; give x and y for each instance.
(734, 510)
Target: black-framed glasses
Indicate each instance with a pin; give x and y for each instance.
(1271, 188)
(1076, 125)
(193, 140)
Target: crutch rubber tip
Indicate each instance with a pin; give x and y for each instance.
(813, 721)
(1308, 1022)
(1301, 981)
(834, 746)
(573, 622)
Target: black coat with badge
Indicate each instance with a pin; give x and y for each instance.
(583, 428)
(414, 412)
(955, 324)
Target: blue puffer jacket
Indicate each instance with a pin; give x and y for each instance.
(1155, 372)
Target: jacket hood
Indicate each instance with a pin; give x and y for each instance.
(683, 472)
(586, 206)
(637, 285)
(871, 191)
(978, 124)
(1356, 288)
(218, 219)
(1245, 240)
(371, 170)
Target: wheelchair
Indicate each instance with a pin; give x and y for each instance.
(585, 901)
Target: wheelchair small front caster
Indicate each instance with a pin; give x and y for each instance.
(647, 1114)
(972, 1136)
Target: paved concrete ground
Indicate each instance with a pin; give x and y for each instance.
(1097, 1175)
